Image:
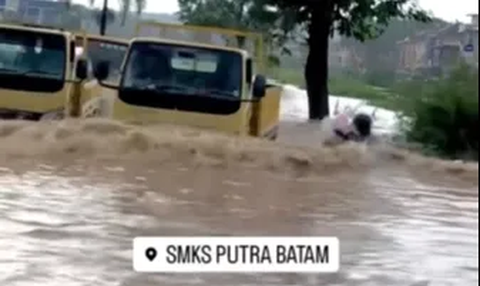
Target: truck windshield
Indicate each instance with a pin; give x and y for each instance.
(32, 54)
(172, 70)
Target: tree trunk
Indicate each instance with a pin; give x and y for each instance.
(316, 68)
(103, 20)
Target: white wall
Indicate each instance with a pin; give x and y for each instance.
(12, 4)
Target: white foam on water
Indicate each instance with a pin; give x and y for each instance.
(294, 107)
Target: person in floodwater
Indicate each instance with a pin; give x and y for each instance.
(351, 126)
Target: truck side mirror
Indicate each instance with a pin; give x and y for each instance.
(72, 51)
(81, 70)
(249, 71)
(101, 71)
(259, 86)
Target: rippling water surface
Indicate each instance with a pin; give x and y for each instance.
(72, 197)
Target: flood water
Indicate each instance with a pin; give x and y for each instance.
(74, 195)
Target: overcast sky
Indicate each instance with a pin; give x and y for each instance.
(450, 10)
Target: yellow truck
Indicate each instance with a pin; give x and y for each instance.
(38, 71)
(41, 68)
(92, 50)
(187, 82)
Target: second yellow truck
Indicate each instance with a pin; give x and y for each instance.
(189, 83)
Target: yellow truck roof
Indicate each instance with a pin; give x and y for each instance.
(33, 28)
(188, 44)
(103, 38)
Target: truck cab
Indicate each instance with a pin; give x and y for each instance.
(190, 83)
(38, 69)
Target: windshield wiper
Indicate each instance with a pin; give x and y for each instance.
(219, 92)
(214, 94)
(38, 72)
(161, 87)
(10, 71)
(28, 72)
(171, 87)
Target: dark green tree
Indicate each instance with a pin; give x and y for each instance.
(243, 15)
(359, 19)
(232, 14)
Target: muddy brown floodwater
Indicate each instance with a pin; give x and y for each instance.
(74, 195)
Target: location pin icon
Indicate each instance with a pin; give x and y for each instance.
(151, 253)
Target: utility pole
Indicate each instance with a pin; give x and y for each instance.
(103, 20)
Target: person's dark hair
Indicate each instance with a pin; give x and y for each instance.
(363, 124)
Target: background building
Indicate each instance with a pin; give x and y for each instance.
(34, 11)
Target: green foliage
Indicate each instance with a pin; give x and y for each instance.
(233, 14)
(340, 84)
(380, 77)
(247, 15)
(442, 115)
(359, 19)
(358, 88)
(287, 76)
(273, 61)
